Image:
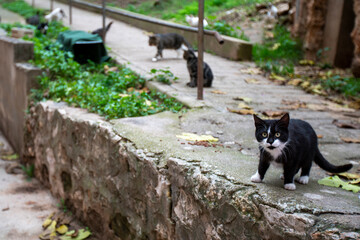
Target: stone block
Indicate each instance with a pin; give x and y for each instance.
(21, 32)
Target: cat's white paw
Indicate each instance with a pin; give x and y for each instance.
(290, 186)
(154, 59)
(303, 180)
(256, 178)
(282, 176)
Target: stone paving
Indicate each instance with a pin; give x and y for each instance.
(239, 161)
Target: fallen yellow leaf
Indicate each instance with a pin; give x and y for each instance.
(275, 46)
(48, 220)
(350, 140)
(195, 137)
(252, 71)
(305, 84)
(356, 181)
(273, 114)
(244, 99)
(306, 62)
(349, 176)
(218, 92)
(62, 229)
(242, 111)
(276, 77)
(252, 80)
(295, 82)
(244, 106)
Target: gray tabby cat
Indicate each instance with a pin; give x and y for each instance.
(191, 63)
(168, 41)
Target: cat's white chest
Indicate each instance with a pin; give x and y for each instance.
(275, 153)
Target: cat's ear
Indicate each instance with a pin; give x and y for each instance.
(258, 121)
(284, 120)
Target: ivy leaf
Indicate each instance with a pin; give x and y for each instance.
(335, 181)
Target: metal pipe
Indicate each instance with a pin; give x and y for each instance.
(70, 12)
(200, 62)
(103, 18)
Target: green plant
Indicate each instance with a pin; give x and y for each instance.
(280, 54)
(164, 76)
(349, 86)
(28, 170)
(62, 205)
(224, 28)
(21, 7)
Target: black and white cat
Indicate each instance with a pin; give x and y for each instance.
(291, 145)
(168, 41)
(191, 63)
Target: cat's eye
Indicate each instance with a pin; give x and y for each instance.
(264, 134)
(277, 134)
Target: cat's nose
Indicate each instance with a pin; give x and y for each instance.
(270, 140)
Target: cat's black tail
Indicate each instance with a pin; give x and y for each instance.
(324, 164)
(108, 26)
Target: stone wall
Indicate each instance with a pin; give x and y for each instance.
(355, 66)
(122, 192)
(325, 27)
(16, 80)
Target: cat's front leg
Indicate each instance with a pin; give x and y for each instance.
(289, 180)
(157, 56)
(260, 174)
(192, 82)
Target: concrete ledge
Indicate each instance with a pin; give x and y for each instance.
(132, 179)
(233, 48)
(16, 80)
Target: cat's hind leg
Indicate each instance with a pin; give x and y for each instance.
(304, 176)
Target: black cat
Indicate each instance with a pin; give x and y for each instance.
(168, 41)
(34, 20)
(191, 63)
(292, 145)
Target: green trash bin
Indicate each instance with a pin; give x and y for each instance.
(85, 46)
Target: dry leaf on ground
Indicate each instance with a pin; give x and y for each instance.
(273, 76)
(81, 234)
(253, 71)
(350, 140)
(242, 111)
(273, 114)
(292, 105)
(244, 106)
(346, 125)
(350, 176)
(195, 137)
(295, 82)
(244, 99)
(252, 81)
(112, 69)
(306, 62)
(218, 92)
